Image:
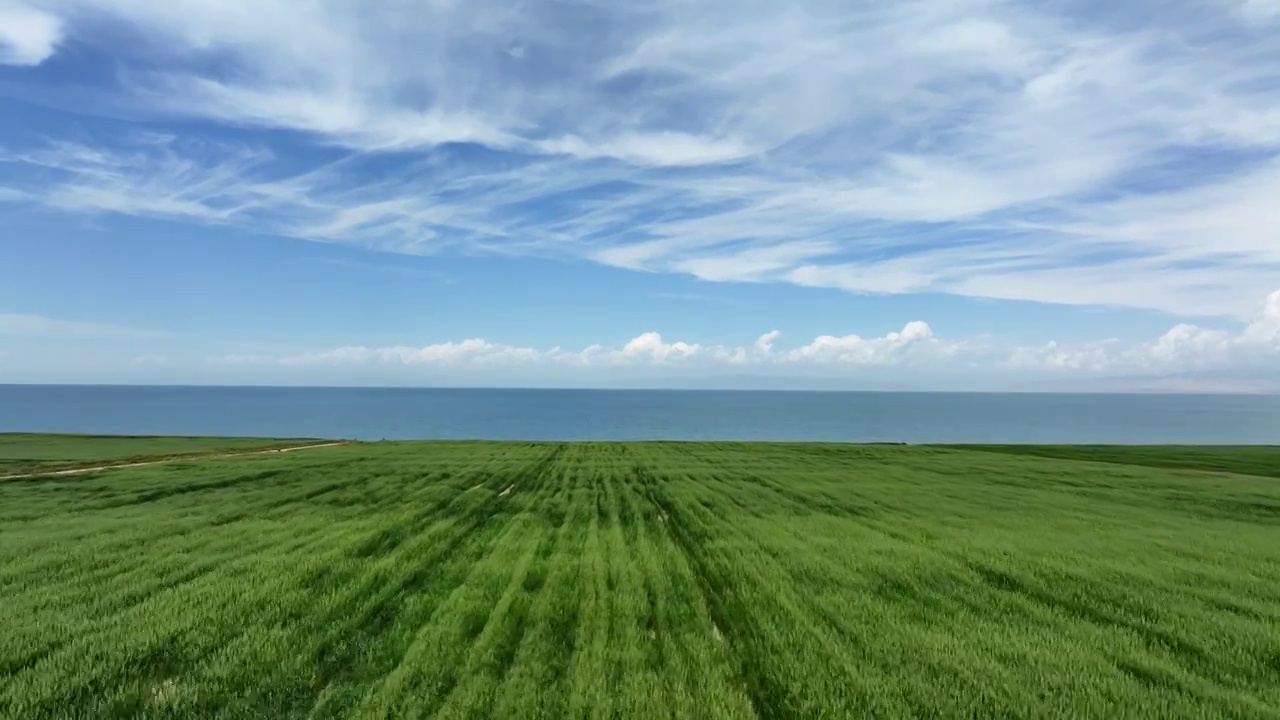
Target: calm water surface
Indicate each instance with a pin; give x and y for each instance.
(365, 413)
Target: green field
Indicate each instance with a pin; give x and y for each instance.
(478, 580)
(1263, 461)
(28, 452)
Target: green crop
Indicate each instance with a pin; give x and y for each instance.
(689, 580)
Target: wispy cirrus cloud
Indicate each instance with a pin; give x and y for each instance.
(21, 325)
(1047, 152)
(11, 195)
(1261, 11)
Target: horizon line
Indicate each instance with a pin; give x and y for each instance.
(534, 388)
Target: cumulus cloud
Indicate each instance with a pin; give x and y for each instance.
(990, 149)
(1192, 346)
(645, 348)
(1184, 347)
(28, 36)
(865, 351)
(1266, 328)
(651, 346)
(1237, 357)
(1094, 357)
(1188, 343)
(763, 345)
(648, 349)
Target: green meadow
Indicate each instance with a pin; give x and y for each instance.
(645, 580)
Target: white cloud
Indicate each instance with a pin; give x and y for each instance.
(1092, 357)
(645, 349)
(1262, 11)
(1183, 348)
(660, 148)
(1237, 358)
(216, 183)
(752, 263)
(28, 36)
(853, 349)
(651, 346)
(474, 350)
(981, 148)
(892, 276)
(1188, 343)
(159, 178)
(763, 346)
(1266, 328)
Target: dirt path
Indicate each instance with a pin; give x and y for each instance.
(162, 461)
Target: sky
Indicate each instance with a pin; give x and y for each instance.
(906, 194)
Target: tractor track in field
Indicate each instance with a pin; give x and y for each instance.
(164, 461)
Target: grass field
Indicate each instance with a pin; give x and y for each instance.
(477, 580)
(29, 452)
(1263, 461)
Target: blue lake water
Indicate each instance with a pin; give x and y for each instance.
(394, 413)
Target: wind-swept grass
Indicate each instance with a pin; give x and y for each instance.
(690, 580)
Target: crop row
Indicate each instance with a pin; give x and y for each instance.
(647, 580)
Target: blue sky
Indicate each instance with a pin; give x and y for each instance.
(930, 194)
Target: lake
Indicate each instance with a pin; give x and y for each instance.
(398, 413)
